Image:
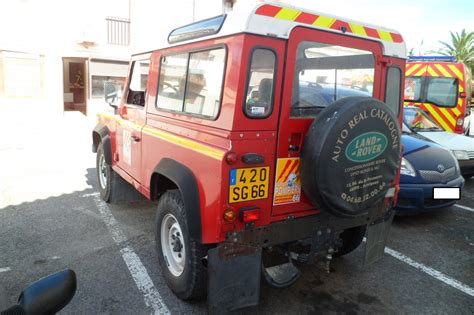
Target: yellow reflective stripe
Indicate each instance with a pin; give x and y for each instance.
(358, 29)
(421, 72)
(183, 142)
(456, 71)
(437, 117)
(324, 21)
(447, 115)
(442, 70)
(412, 69)
(456, 110)
(287, 14)
(385, 36)
(432, 72)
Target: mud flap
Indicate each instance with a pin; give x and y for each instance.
(377, 236)
(233, 277)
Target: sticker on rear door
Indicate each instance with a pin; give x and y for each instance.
(287, 181)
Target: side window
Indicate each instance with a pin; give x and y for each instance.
(138, 82)
(172, 82)
(204, 82)
(392, 89)
(260, 83)
(192, 82)
(325, 73)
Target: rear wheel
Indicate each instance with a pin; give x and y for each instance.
(180, 256)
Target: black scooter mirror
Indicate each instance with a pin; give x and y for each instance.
(50, 294)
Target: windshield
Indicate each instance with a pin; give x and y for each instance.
(418, 120)
(326, 73)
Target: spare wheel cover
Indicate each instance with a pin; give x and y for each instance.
(350, 156)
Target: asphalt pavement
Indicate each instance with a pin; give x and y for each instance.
(52, 218)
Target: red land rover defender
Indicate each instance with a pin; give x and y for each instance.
(262, 146)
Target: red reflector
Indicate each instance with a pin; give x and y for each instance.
(250, 215)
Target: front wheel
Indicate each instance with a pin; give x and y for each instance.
(180, 256)
(104, 174)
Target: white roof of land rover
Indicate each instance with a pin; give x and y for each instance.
(277, 20)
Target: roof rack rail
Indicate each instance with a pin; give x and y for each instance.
(432, 58)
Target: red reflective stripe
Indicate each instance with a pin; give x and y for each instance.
(306, 18)
(268, 10)
(284, 169)
(443, 116)
(339, 24)
(291, 170)
(397, 38)
(371, 32)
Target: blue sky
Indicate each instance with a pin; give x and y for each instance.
(422, 20)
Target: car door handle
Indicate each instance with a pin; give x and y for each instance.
(136, 138)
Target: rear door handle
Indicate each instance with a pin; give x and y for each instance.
(136, 138)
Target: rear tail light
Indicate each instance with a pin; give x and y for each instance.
(231, 157)
(230, 215)
(460, 121)
(248, 215)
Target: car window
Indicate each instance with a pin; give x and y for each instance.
(413, 89)
(171, 84)
(192, 82)
(326, 73)
(392, 89)
(260, 83)
(419, 121)
(138, 82)
(442, 91)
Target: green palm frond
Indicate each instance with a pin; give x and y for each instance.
(461, 47)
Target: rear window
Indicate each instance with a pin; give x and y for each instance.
(260, 84)
(442, 91)
(413, 89)
(325, 73)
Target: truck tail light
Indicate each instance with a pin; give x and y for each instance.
(460, 121)
(230, 215)
(231, 157)
(248, 215)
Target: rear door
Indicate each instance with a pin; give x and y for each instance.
(321, 67)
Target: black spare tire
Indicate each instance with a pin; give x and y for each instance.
(350, 156)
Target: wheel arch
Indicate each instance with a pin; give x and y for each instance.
(101, 133)
(169, 174)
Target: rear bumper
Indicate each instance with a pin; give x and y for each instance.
(416, 198)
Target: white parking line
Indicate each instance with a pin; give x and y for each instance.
(464, 207)
(430, 271)
(5, 269)
(138, 271)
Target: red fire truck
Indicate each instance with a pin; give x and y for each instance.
(442, 87)
(248, 130)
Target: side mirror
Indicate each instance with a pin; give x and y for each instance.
(50, 294)
(112, 93)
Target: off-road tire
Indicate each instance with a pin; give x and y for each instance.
(351, 239)
(105, 192)
(191, 284)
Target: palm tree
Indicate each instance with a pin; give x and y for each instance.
(461, 47)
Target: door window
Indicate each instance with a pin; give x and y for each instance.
(325, 73)
(138, 82)
(260, 84)
(442, 91)
(413, 89)
(392, 89)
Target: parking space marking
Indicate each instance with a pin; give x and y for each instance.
(432, 272)
(5, 269)
(464, 207)
(138, 271)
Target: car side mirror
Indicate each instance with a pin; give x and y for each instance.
(112, 93)
(50, 294)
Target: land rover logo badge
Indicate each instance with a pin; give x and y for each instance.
(441, 168)
(366, 147)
